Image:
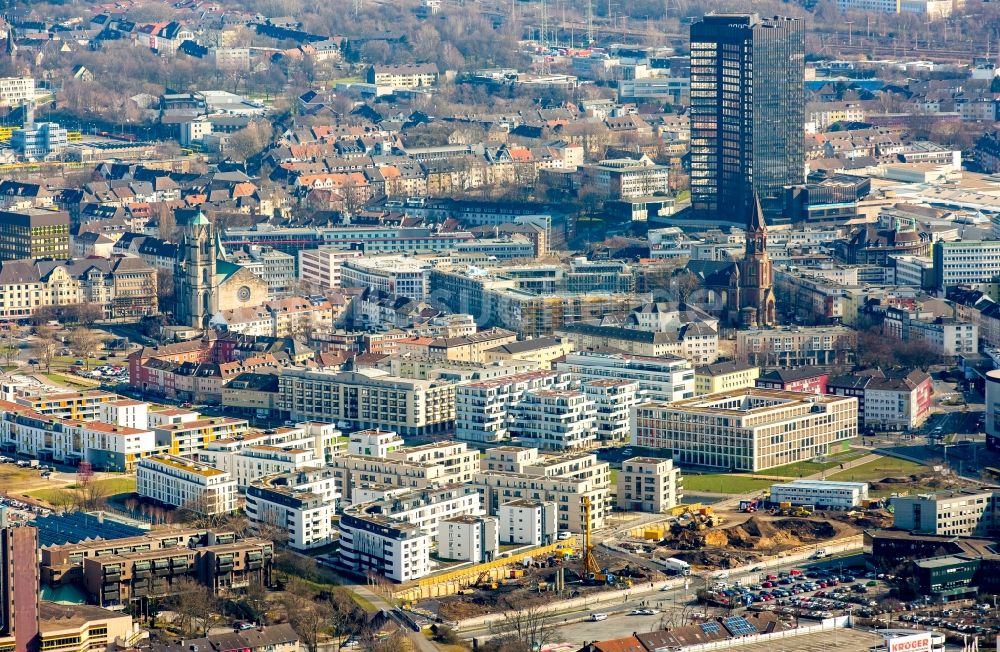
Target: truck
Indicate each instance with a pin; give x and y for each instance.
(820, 554)
(676, 566)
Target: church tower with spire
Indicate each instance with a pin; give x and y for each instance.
(195, 287)
(751, 300)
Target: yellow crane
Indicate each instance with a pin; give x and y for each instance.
(590, 565)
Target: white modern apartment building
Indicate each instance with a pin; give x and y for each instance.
(469, 538)
(820, 493)
(483, 408)
(384, 546)
(108, 447)
(374, 443)
(16, 90)
(951, 514)
(398, 275)
(666, 378)
(369, 398)
(303, 503)
(528, 522)
(179, 482)
(393, 537)
(458, 461)
(251, 463)
(649, 484)
(747, 430)
(613, 400)
(551, 419)
(512, 472)
(321, 267)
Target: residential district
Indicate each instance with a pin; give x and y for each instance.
(540, 326)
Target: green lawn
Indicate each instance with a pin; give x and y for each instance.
(74, 382)
(881, 468)
(61, 496)
(723, 483)
(114, 486)
(800, 469)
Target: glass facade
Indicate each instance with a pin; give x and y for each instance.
(747, 112)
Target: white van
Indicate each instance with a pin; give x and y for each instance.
(598, 616)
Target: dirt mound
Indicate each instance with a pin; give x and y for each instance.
(760, 534)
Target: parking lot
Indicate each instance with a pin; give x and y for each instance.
(971, 618)
(805, 593)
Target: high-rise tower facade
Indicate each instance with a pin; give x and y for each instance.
(18, 587)
(747, 112)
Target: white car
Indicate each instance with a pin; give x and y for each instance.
(565, 535)
(598, 616)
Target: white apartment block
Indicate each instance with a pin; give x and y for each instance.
(483, 408)
(660, 379)
(179, 482)
(251, 463)
(321, 267)
(399, 275)
(820, 493)
(373, 443)
(965, 263)
(528, 522)
(394, 529)
(511, 472)
(469, 538)
(105, 446)
(613, 400)
(369, 398)
(948, 337)
(458, 461)
(302, 503)
(952, 514)
(649, 484)
(554, 420)
(125, 412)
(16, 90)
(383, 546)
(747, 430)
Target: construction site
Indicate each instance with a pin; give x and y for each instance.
(703, 538)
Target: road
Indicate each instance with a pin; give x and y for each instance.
(575, 627)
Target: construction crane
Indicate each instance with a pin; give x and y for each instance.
(590, 565)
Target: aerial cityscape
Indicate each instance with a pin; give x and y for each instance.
(476, 325)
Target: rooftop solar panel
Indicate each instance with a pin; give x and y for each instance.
(739, 626)
(74, 527)
(710, 628)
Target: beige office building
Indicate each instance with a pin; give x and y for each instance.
(747, 430)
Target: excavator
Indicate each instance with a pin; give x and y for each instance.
(591, 569)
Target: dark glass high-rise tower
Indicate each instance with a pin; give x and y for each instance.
(747, 112)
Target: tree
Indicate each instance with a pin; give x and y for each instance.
(523, 629)
(86, 342)
(166, 221)
(9, 340)
(164, 289)
(304, 614)
(45, 345)
(255, 599)
(193, 603)
(249, 141)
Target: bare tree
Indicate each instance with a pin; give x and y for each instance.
(524, 629)
(9, 344)
(45, 345)
(193, 603)
(86, 342)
